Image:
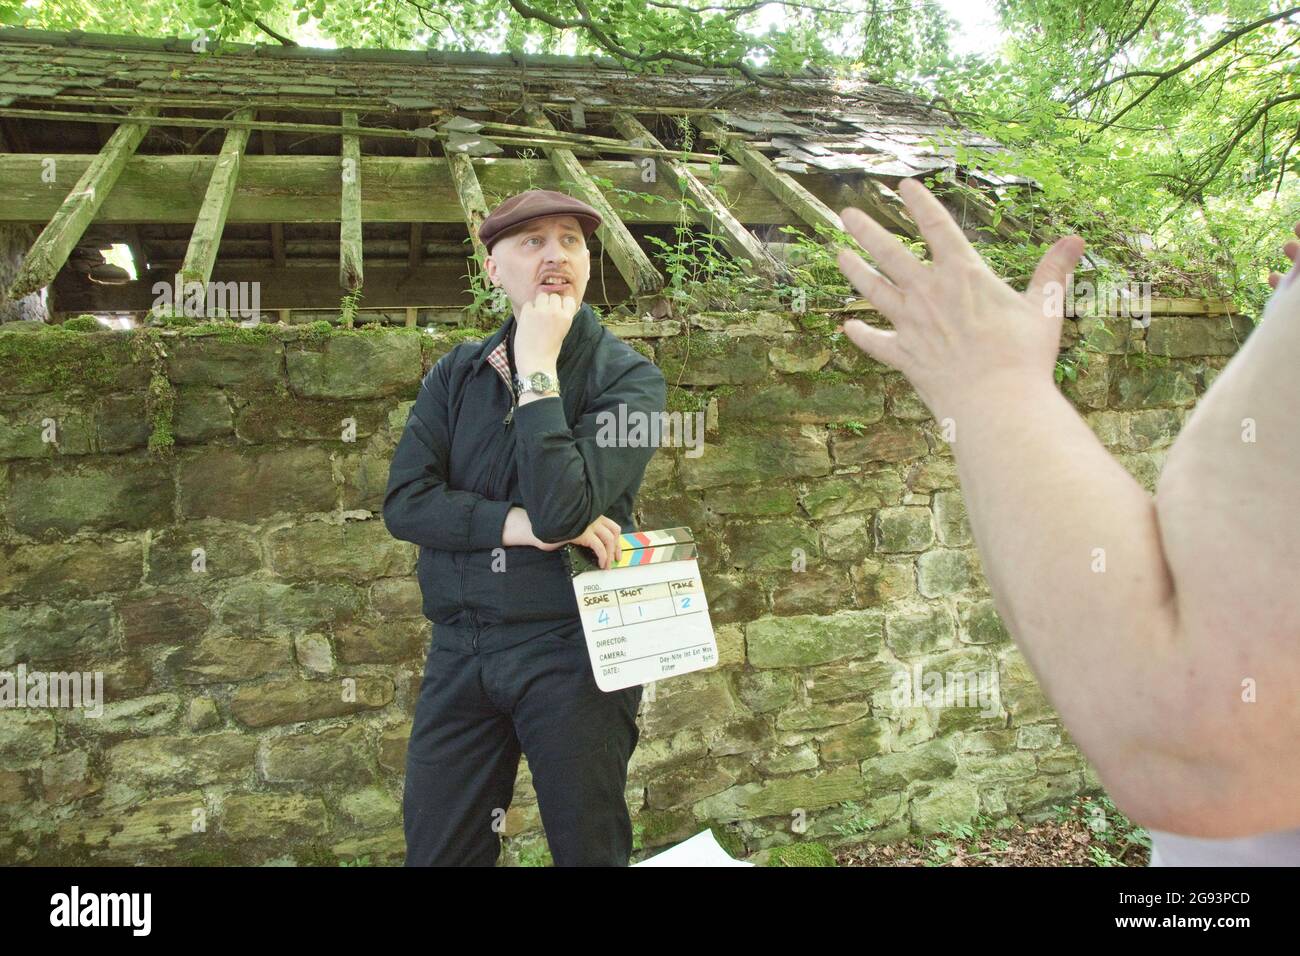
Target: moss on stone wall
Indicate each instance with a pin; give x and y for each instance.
(47, 358)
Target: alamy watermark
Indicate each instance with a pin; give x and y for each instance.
(637, 429)
(242, 300)
(918, 687)
(23, 688)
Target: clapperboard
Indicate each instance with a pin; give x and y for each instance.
(646, 618)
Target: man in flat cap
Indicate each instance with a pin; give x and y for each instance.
(497, 470)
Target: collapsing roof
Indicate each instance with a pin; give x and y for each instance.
(218, 165)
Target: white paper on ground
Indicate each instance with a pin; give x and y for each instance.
(645, 623)
(700, 850)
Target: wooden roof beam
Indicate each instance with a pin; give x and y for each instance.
(350, 274)
(738, 240)
(50, 250)
(632, 262)
(577, 142)
(399, 189)
(205, 240)
(780, 184)
(470, 195)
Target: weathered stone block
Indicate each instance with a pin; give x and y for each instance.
(1185, 336)
(201, 414)
(770, 545)
(713, 359)
(934, 761)
(942, 572)
(886, 441)
(951, 520)
(353, 550)
(201, 552)
(195, 761)
(809, 639)
(248, 486)
(747, 459)
(919, 630)
(904, 528)
(802, 401)
(291, 701)
(260, 817)
(30, 573)
(1147, 386)
(103, 495)
(330, 756)
(257, 362)
(219, 659)
(362, 365)
(39, 633)
(251, 606)
(162, 619)
(947, 803)
(269, 418)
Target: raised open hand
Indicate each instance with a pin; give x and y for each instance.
(956, 324)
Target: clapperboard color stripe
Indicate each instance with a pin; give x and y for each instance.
(642, 547)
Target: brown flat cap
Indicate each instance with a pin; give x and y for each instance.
(534, 204)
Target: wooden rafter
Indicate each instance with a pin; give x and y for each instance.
(632, 262)
(470, 195)
(206, 237)
(739, 241)
(886, 207)
(61, 233)
(780, 184)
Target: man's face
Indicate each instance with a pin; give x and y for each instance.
(553, 246)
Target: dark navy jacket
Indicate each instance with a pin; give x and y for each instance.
(469, 453)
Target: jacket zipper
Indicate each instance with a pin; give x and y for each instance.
(491, 475)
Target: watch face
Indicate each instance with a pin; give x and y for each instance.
(540, 381)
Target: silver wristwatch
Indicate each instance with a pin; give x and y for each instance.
(536, 382)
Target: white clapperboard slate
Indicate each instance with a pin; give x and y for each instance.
(646, 618)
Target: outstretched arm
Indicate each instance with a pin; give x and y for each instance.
(1230, 523)
(1072, 546)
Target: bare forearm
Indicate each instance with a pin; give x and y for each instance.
(1072, 552)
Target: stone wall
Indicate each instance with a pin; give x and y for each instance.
(201, 527)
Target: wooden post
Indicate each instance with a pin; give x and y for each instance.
(739, 241)
(632, 263)
(415, 254)
(206, 237)
(50, 250)
(350, 274)
(277, 229)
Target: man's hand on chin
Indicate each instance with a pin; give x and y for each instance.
(543, 324)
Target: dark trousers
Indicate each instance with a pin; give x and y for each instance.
(477, 711)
